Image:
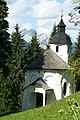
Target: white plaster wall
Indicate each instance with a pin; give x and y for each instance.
(31, 103)
(32, 75)
(63, 51)
(54, 79)
(27, 99)
(69, 77)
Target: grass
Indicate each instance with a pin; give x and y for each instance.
(49, 112)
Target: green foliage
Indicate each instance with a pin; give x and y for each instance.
(74, 110)
(49, 112)
(15, 80)
(54, 30)
(1, 92)
(34, 50)
(4, 36)
(18, 50)
(1, 74)
(75, 64)
(5, 50)
(77, 48)
(76, 73)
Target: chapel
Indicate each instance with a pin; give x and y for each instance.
(47, 79)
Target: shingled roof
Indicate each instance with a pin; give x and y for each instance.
(60, 38)
(39, 83)
(49, 61)
(61, 23)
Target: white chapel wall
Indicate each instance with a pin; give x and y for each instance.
(62, 51)
(55, 80)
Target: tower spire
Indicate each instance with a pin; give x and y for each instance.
(61, 26)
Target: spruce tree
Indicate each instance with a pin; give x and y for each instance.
(4, 36)
(1, 93)
(54, 30)
(15, 80)
(77, 48)
(5, 50)
(34, 50)
(75, 63)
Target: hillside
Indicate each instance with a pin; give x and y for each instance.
(49, 112)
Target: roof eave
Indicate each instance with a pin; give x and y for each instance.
(46, 69)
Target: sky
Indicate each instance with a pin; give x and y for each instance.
(41, 15)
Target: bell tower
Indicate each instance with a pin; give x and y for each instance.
(61, 26)
(60, 42)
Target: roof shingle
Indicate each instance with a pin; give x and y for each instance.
(49, 61)
(60, 38)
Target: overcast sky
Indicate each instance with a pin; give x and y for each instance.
(41, 15)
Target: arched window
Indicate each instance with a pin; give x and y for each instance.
(57, 48)
(64, 88)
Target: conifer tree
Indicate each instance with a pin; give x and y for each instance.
(77, 48)
(1, 93)
(5, 50)
(75, 63)
(4, 36)
(54, 30)
(15, 80)
(34, 50)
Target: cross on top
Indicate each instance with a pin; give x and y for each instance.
(62, 13)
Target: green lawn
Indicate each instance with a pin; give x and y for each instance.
(49, 112)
